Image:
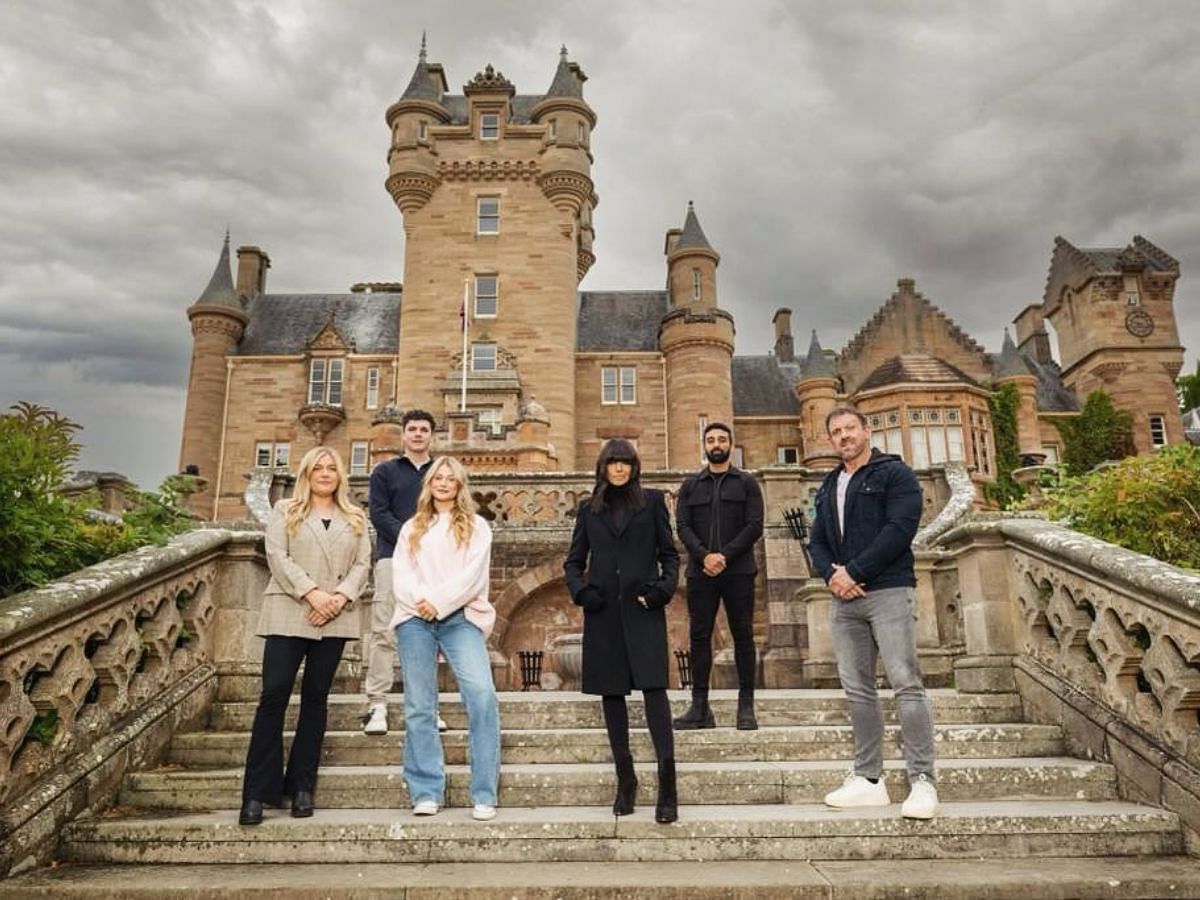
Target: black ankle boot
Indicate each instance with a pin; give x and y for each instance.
(626, 786)
(252, 813)
(302, 804)
(666, 811)
(745, 713)
(698, 716)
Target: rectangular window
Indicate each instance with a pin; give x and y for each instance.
(788, 456)
(554, 129)
(489, 126)
(359, 457)
(582, 132)
(490, 420)
(270, 453)
(262, 453)
(333, 395)
(1133, 293)
(1158, 431)
(618, 384)
(1051, 453)
(487, 295)
(488, 215)
(283, 453)
(372, 387)
(483, 357)
(316, 381)
(422, 130)
(695, 284)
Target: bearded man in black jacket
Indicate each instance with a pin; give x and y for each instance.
(719, 517)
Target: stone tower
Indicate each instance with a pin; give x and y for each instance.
(1011, 368)
(817, 390)
(497, 198)
(1113, 311)
(696, 339)
(218, 320)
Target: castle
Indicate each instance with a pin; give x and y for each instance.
(525, 372)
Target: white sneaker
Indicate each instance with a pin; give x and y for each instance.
(442, 726)
(425, 808)
(922, 802)
(483, 812)
(857, 791)
(375, 721)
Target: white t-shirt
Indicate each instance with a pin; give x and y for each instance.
(843, 485)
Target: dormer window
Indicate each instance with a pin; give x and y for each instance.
(483, 357)
(489, 126)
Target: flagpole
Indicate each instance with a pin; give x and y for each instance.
(466, 318)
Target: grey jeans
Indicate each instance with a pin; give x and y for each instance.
(880, 626)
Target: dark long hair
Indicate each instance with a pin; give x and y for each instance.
(617, 450)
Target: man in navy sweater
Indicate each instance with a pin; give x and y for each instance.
(395, 485)
(867, 511)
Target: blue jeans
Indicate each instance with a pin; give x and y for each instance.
(880, 626)
(417, 643)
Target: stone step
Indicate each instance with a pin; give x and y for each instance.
(213, 749)
(985, 829)
(591, 784)
(562, 709)
(1091, 878)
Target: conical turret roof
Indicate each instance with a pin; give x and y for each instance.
(220, 290)
(568, 78)
(692, 234)
(421, 85)
(818, 364)
(1011, 361)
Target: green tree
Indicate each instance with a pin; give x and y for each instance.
(1188, 387)
(1100, 432)
(1003, 405)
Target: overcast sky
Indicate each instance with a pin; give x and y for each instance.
(830, 149)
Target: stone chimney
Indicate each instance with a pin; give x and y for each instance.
(1032, 338)
(785, 350)
(252, 271)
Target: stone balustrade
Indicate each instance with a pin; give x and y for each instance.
(97, 670)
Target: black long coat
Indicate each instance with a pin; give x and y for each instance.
(624, 644)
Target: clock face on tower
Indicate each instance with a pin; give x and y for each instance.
(1138, 323)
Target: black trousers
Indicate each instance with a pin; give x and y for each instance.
(265, 779)
(704, 595)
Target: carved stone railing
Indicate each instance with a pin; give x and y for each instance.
(97, 671)
(1100, 639)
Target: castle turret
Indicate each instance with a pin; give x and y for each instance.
(816, 389)
(696, 339)
(1011, 368)
(218, 320)
(412, 163)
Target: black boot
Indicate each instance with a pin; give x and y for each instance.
(745, 713)
(302, 804)
(666, 811)
(698, 716)
(626, 786)
(252, 813)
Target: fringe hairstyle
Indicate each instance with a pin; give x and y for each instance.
(462, 515)
(617, 450)
(301, 502)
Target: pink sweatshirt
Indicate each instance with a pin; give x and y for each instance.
(449, 576)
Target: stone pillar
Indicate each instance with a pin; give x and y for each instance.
(989, 612)
(820, 664)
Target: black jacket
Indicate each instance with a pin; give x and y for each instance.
(392, 498)
(624, 644)
(883, 508)
(720, 513)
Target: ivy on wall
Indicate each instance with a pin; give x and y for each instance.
(1003, 405)
(1100, 433)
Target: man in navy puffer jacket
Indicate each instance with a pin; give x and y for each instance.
(867, 511)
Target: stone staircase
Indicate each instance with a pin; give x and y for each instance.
(1019, 819)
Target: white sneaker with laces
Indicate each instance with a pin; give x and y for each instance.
(483, 812)
(376, 720)
(442, 726)
(922, 802)
(857, 791)
(425, 808)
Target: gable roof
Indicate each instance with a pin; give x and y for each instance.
(915, 368)
(620, 320)
(285, 323)
(762, 386)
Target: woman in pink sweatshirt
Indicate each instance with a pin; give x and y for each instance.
(440, 574)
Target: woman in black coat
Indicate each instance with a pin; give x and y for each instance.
(623, 569)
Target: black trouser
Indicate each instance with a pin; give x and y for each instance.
(658, 719)
(704, 595)
(265, 779)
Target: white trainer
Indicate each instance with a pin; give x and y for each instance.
(375, 721)
(483, 812)
(922, 802)
(857, 791)
(425, 808)
(442, 726)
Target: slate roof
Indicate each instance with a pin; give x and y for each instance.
(620, 320)
(565, 83)
(818, 363)
(283, 323)
(1011, 360)
(1052, 394)
(762, 386)
(692, 234)
(220, 290)
(918, 368)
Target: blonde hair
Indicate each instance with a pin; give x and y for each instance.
(462, 515)
(300, 506)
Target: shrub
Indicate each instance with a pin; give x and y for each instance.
(1100, 433)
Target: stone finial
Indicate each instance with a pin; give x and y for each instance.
(490, 80)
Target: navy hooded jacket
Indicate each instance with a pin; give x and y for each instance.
(883, 508)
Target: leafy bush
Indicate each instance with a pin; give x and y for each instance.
(1150, 504)
(1003, 405)
(1100, 433)
(44, 535)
